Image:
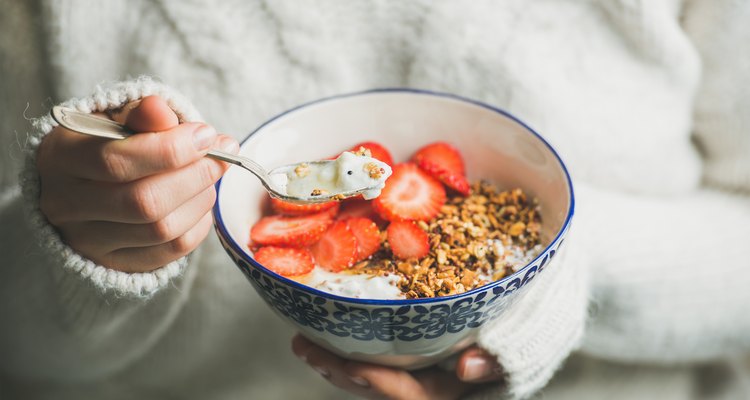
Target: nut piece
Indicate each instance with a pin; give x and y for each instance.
(442, 257)
(363, 151)
(318, 192)
(517, 229)
(302, 170)
(373, 170)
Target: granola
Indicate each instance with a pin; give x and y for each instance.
(473, 240)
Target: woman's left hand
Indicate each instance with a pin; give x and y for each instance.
(474, 369)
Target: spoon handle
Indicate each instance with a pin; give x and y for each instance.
(101, 127)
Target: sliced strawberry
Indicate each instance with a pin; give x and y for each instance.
(279, 230)
(444, 155)
(367, 234)
(285, 261)
(410, 194)
(288, 208)
(355, 207)
(376, 150)
(358, 207)
(337, 249)
(454, 181)
(407, 240)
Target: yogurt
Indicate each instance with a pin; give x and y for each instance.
(349, 172)
(361, 286)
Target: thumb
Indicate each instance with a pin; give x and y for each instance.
(149, 114)
(476, 366)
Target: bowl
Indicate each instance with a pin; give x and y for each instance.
(405, 333)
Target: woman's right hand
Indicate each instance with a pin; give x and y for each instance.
(136, 204)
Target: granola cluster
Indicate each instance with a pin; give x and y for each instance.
(474, 240)
(374, 171)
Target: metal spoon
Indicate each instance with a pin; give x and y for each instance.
(93, 125)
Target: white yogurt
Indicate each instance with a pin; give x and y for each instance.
(354, 285)
(350, 171)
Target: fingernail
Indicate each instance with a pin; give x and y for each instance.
(360, 381)
(204, 137)
(322, 371)
(230, 145)
(477, 368)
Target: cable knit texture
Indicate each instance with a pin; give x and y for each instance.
(647, 103)
(106, 97)
(531, 349)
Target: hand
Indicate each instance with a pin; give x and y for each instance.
(474, 369)
(135, 204)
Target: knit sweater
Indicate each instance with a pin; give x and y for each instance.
(647, 103)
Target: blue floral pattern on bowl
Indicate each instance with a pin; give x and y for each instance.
(408, 322)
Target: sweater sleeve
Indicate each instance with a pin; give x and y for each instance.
(672, 274)
(670, 278)
(93, 317)
(537, 334)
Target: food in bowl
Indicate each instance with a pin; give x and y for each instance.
(403, 333)
(435, 235)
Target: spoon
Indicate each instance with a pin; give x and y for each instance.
(273, 180)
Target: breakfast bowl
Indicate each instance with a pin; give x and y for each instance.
(404, 333)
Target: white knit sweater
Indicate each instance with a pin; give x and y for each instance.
(647, 102)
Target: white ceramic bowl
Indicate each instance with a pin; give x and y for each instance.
(403, 333)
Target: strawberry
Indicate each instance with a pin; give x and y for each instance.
(376, 150)
(410, 194)
(279, 230)
(355, 207)
(288, 208)
(367, 234)
(444, 155)
(337, 249)
(285, 261)
(358, 207)
(452, 180)
(407, 240)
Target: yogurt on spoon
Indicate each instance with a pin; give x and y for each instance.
(351, 171)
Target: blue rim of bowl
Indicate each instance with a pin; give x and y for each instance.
(397, 302)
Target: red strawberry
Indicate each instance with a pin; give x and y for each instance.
(355, 207)
(376, 150)
(410, 194)
(337, 249)
(367, 234)
(444, 155)
(288, 208)
(278, 230)
(454, 181)
(285, 261)
(358, 207)
(407, 240)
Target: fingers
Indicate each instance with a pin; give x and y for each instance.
(477, 366)
(94, 238)
(378, 382)
(391, 383)
(134, 204)
(330, 367)
(143, 201)
(150, 114)
(64, 152)
(142, 259)
(61, 146)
